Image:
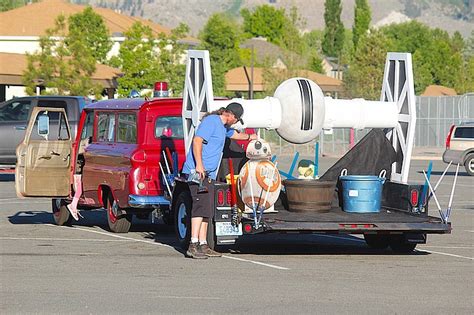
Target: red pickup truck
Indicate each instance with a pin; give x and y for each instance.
(118, 150)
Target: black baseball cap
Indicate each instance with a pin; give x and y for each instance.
(237, 110)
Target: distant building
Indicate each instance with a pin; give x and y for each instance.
(266, 52)
(236, 80)
(438, 90)
(332, 69)
(21, 29)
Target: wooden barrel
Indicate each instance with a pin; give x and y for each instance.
(309, 195)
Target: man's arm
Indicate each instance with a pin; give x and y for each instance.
(243, 136)
(197, 151)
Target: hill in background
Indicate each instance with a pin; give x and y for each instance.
(450, 15)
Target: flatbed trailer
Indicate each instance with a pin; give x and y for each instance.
(299, 112)
(398, 224)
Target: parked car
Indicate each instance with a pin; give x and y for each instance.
(14, 116)
(460, 146)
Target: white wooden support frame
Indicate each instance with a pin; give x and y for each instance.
(398, 86)
(197, 94)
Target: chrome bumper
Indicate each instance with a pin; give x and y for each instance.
(137, 201)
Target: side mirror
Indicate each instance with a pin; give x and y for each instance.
(43, 125)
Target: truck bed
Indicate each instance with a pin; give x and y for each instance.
(338, 221)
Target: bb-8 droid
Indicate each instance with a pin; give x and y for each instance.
(259, 180)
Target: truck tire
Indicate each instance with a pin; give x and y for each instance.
(119, 221)
(399, 244)
(61, 215)
(469, 164)
(182, 218)
(377, 241)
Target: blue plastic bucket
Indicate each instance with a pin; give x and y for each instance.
(362, 193)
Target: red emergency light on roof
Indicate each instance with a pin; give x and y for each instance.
(160, 89)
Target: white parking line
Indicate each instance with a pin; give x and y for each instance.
(168, 246)
(186, 297)
(256, 262)
(60, 239)
(419, 250)
(445, 254)
(452, 247)
(114, 235)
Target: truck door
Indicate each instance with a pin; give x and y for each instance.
(44, 157)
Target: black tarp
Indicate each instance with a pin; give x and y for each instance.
(369, 156)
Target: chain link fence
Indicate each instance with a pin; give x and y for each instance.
(435, 115)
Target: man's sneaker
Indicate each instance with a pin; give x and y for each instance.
(194, 251)
(208, 251)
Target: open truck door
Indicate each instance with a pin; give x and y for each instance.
(44, 157)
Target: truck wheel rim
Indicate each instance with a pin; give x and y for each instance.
(112, 212)
(57, 211)
(182, 221)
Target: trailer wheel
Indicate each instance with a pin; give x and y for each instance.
(182, 218)
(469, 164)
(377, 241)
(399, 244)
(61, 214)
(119, 221)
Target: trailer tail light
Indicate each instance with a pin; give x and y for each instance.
(247, 228)
(228, 195)
(220, 197)
(448, 138)
(414, 197)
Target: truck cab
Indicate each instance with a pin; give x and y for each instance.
(119, 159)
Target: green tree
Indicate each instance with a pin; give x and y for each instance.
(137, 60)
(365, 75)
(220, 36)
(265, 21)
(333, 40)
(171, 51)
(90, 27)
(145, 59)
(362, 18)
(290, 37)
(312, 49)
(6, 5)
(437, 58)
(64, 66)
(467, 80)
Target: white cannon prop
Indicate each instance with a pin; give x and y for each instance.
(299, 111)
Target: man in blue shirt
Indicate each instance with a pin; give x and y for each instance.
(203, 160)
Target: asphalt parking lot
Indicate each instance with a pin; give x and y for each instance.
(86, 269)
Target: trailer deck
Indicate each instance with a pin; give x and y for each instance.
(338, 221)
